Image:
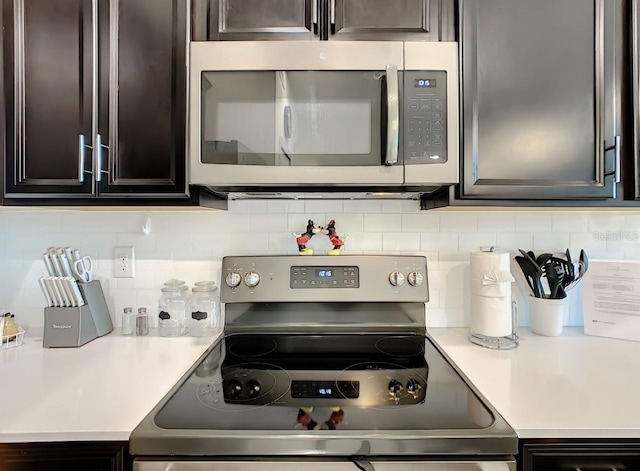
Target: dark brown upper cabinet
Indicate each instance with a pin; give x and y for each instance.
(94, 98)
(250, 20)
(541, 94)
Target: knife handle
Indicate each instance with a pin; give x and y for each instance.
(47, 262)
(43, 287)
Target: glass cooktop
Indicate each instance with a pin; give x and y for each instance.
(323, 382)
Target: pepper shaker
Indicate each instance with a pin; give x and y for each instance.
(142, 322)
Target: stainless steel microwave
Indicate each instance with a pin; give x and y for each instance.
(311, 114)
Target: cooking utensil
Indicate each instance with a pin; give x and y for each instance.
(554, 274)
(55, 262)
(64, 262)
(542, 259)
(530, 275)
(47, 262)
(83, 269)
(584, 261)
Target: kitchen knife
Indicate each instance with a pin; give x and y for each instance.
(66, 265)
(48, 264)
(63, 293)
(55, 261)
(53, 291)
(47, 296)
(71, 299)
(75, 291)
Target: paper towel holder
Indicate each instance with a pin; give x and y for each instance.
(506, 342)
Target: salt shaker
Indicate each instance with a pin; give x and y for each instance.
(128, 321)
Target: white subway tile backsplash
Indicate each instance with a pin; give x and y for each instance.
(439, 241)
(421, 222)
(382, 222)
(496, 222)
(551, 241)
(459, 222)
(471, 241)
(363, 206)
(190, 244)
(401, 241)
(330, 207)
(531, 221)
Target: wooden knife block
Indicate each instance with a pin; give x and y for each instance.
(75, 326)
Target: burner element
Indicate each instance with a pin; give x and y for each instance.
(401, 346)
(251, 348)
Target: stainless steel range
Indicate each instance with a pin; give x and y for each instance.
(325, 363)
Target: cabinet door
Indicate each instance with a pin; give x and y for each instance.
(240, 20)
(142, 105)
(397, 20)
(540, 94)
(635, 32)
(585, 456)
(48, 88)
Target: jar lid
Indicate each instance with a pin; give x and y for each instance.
(204, 283)
(174, 289)
(174, 282)
(204, 288)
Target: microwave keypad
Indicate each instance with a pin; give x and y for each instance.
(425, 117)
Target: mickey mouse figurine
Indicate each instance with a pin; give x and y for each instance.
(305, 237)
(329, 230)
(334, 238)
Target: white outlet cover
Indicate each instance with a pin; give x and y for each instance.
(124, 262)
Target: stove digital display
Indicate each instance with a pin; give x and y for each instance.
(325, 389)
(324, 273)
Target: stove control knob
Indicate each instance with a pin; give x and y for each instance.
(252, 279)
(233, 389)
(233, 279)
(396, 278)
(254, 388)
(395, 387)
(415, 278)
(414, 388)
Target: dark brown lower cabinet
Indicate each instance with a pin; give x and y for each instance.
(579, 455)
(66, 456)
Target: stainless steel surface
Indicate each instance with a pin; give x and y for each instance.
(81, 146)
(19, 79)
(97, 152)
(374, 285)
(618, 161)
(393, 115)
(536, 125)
(313, 329)
(348, 56)
(319, 465)
(95, 102)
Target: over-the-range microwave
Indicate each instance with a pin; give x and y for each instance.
(322, 115)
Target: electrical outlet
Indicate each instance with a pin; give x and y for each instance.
(125, 262)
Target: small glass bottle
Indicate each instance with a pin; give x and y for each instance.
(173, 307)
(128, 321)
(205, 310)
(142, 322)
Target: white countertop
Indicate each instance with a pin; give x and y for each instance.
(569, 386)
(99, 391)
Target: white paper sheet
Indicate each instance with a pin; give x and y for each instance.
(611, 299)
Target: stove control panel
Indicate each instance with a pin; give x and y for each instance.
(321, 278)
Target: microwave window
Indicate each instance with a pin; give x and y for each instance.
(292, 118)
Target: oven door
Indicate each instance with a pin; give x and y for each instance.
(296, 113)
(505, 464)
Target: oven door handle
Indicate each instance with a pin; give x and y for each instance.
(393, 115)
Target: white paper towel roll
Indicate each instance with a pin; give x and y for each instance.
(490, 285)
(489, 273)
(491, 316)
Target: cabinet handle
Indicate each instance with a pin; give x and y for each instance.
(332, 16)
(617, 147)
(314, 16)
(98, 153)
(81, 158)
(393, 117)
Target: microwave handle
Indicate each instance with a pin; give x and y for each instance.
(314, 16)
(393, 115)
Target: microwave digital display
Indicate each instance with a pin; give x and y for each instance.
(424, 83)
